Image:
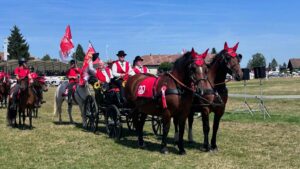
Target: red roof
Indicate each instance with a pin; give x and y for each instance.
(156, 60)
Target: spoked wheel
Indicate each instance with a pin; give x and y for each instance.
(91, 114)
(157, 125)
(129, 121)
(113, 122)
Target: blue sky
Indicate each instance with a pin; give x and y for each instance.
(141, 27)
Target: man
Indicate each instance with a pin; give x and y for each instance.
(103, 74)
(138, 66)
(121, 70)
(21, 72)
(72, 75)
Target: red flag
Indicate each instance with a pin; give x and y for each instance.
(87, 58)
(66, 43)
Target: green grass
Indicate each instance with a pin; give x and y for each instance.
(244, 142)
(273, 86)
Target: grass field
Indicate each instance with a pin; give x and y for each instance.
(244, 141)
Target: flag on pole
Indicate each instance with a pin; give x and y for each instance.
(87, 59)
(66, 44)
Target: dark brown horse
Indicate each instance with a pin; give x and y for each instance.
(4, 91)
(187, 72)
(26, 103)
(227, 61)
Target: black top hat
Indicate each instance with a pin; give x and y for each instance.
(95, 56)
(121, 53)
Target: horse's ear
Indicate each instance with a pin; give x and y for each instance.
(193, 53)
(225, 46)
(205, 53)
(235, 47)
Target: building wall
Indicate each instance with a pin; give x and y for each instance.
(152, 69)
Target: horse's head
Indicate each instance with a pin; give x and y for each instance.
(40, 83)
(198, 68)
(192, 67)
(232, 61)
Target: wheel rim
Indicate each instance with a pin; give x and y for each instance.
(113, 123)
(156, 125)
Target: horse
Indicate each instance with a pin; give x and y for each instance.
(26, 100)
(173, 94)
(39, 86)
(79, 96)
(226, 61)
(4, 91)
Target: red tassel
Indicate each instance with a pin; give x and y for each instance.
(163, 96)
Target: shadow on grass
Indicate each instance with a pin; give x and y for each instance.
(63, 123)
(22, 127)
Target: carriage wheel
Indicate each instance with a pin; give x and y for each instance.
(113, 122)
(129, 121)
(91, 114)
(157, 125)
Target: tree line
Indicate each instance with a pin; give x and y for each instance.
(18, 47)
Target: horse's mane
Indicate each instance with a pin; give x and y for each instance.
(186, 58)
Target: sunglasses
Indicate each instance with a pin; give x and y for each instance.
(121, 56)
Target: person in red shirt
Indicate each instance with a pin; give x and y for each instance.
(21, 72)
(72, 75)
(138, 66)
(121, 70)
(103, 74)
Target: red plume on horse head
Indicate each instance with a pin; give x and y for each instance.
(199, 58)
(231, 51)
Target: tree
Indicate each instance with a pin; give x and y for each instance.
(46, 58)
(79, 53)
(258, 60)
(284, 65)
(165, 67)
(17, 46)
(273, 64)
(214, 51)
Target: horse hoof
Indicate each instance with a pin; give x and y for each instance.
(214, 149)
(164, 151)
(182, 152)
(205, 149)
(142, 144)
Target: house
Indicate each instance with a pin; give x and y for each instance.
(153, 61)
(294, 64)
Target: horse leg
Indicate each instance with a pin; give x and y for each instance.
(205, 123)
(217, 118)
(190, 122)
(140, 124)
(70, 113)
(181, 133)
(30, 117)
(175, 122)
(166, 127)
(83, 117)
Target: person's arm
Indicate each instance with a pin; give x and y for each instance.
(114, 70)
(92, 70)
(17, 73)
(130, 72)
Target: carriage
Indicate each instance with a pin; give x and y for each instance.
(106, 108)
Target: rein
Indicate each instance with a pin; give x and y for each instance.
(180, 83)
(223, 82)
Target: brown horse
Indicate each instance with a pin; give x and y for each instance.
(4, 91)
(187, 72)
(227, 61)
(26, 103)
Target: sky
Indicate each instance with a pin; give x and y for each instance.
(141, 27)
